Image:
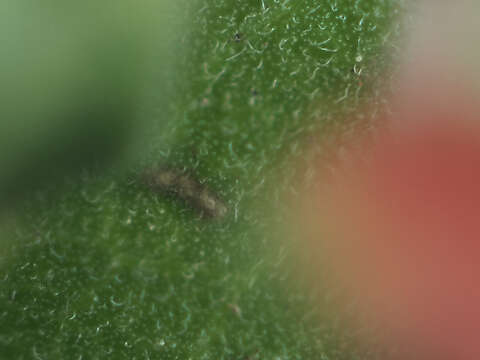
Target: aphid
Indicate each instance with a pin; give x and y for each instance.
(238, 37)
(184, 186)
(235, 309)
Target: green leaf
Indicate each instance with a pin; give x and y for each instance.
(109, 267)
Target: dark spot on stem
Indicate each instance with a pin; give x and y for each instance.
(185, 186)
(238, 37)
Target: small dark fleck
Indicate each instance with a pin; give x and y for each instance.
(254, 92)
(185, 186)
(238, 37)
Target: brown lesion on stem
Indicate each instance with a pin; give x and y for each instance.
(185, 186)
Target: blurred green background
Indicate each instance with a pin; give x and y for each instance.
(95, 265)
(73, 77)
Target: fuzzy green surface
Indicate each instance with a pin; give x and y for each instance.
(105, 268)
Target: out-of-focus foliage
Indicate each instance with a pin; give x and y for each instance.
(73, 75)
(105, 267)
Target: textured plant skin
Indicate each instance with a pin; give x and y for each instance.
(104, 267)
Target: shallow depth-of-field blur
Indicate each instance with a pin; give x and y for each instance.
(395, 220)
(311, 128)
(74, 77)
